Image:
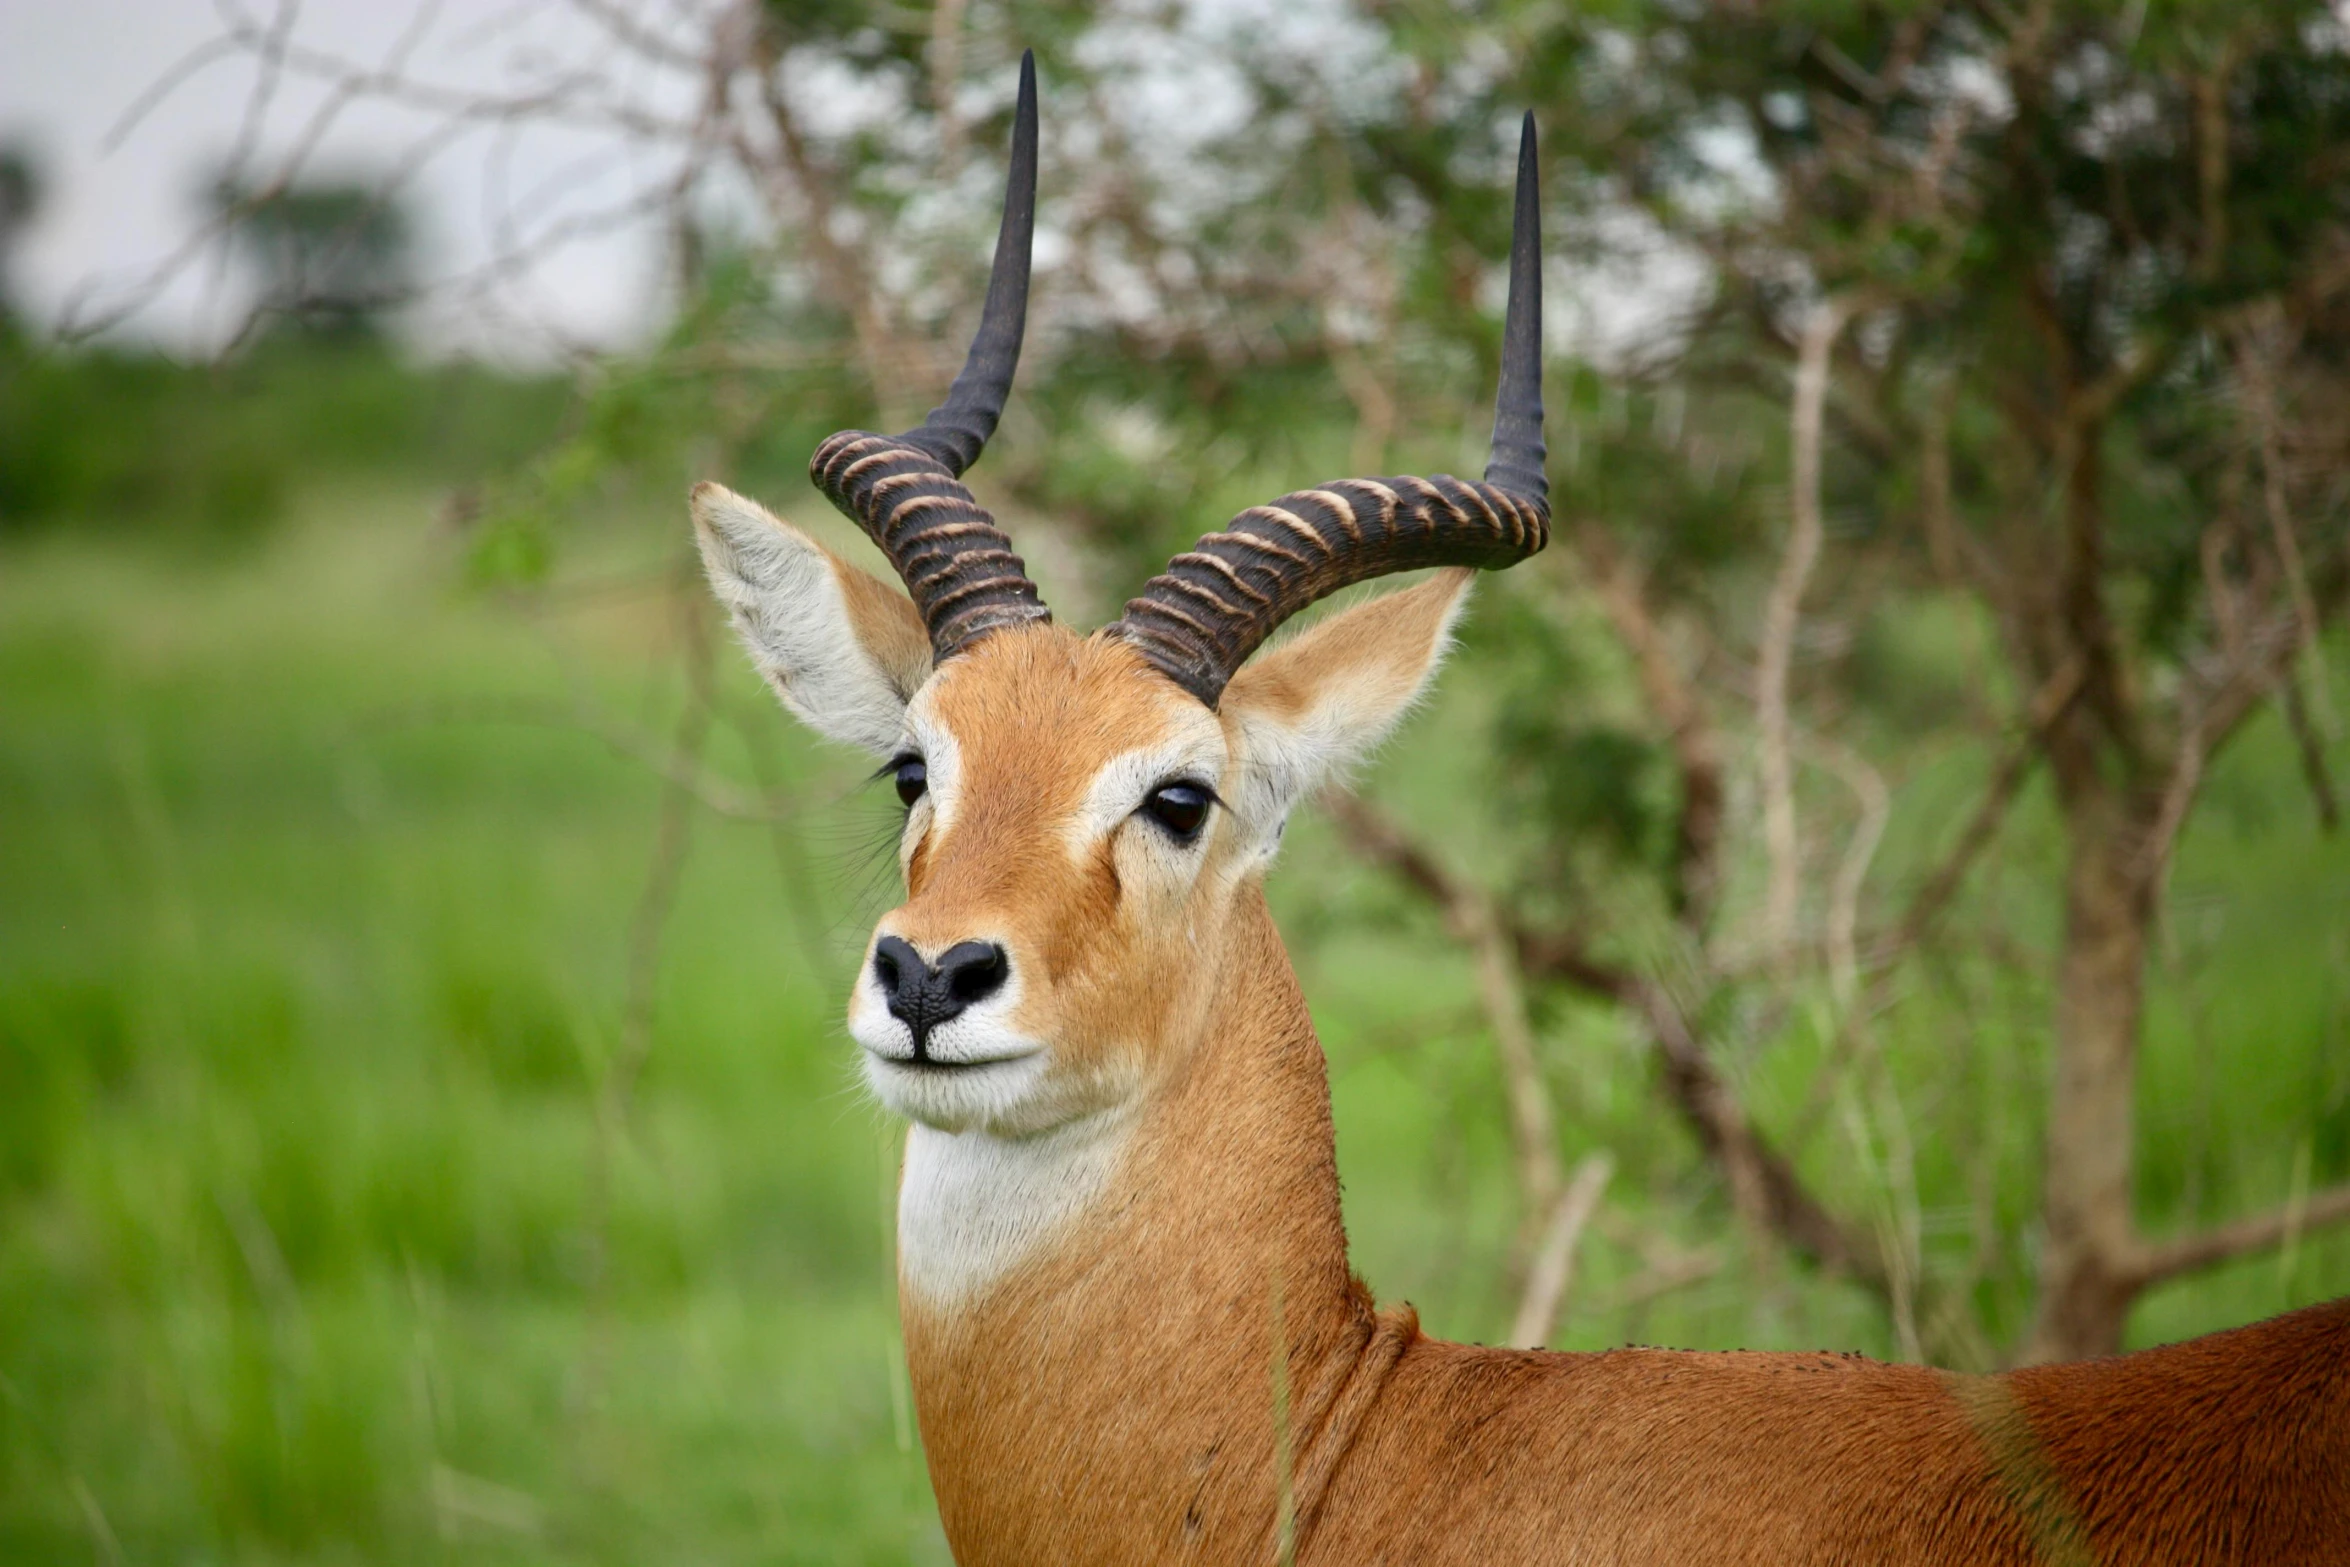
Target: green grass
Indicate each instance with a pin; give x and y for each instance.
(324, 1236)
(319, 1240)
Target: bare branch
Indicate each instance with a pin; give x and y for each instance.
(157, 92)
(946, 72)
(581, 99)
(1501, 989)
(1554, 1260)
(845, 275)
(2212, 714)
(1876, 807)
(2007, 778)
(1780, 618)
(1372, 835)
(637, 38)
(672, 834)
(1763, 1184)
(1473, 921)
(1934, 482)
(647, 926)
(2192, 1253)
(1658, 1280)
(2313, 754)
(2258, 384)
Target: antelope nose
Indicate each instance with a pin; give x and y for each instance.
(922, 994)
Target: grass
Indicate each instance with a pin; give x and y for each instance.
(334, 1225)
(322, 1240)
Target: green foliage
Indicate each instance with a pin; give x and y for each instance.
(208, 455)
(107, 434)
(22, 189)
(1588, 791)
(332, 257)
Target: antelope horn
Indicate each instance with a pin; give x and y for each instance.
(1216, 603)
(904, 490)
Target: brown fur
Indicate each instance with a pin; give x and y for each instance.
(1185, 1370)
(886, 623)
(1114, 1401)
(1376, 655)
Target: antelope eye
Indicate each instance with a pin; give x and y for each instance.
(911, 777)
(1180, 808)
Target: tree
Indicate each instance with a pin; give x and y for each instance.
(331, 256)
(2061, 299)
(2039, 311)
(21, 192)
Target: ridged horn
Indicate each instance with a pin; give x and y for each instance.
(905, 490)
(1216, 603)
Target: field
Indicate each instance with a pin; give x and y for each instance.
(398, 1163)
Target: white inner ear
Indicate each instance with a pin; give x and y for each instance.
(1312, 709)
(1284, 760)
(848, 675)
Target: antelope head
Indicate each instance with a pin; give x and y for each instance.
(1085, 813)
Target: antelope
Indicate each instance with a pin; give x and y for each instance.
(1132, 1330)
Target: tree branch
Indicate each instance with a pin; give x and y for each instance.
(1763, 1184)
(1473, 920)
(2268, 652)
(845, 275)
(2258, 383)
(1501, 989)
(946, 73)
(2191, 1253)
(1935, 486)
(1876, 806)
(1658, 1280)
(1554, 1261)
(1781, 615)
(2007, 780)
(2313, 755)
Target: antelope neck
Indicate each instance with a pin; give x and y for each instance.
(1150, 1290)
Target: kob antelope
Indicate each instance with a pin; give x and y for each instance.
(1118, 1222)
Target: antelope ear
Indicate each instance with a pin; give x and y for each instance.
(844, 650)
(1308, 710)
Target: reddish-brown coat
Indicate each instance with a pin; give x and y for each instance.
(1181, 1367)
(1114, 1400)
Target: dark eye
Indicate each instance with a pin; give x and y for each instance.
(911, 777)
(1180, 808)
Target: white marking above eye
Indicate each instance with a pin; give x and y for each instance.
(942, 775)
(1127, 779)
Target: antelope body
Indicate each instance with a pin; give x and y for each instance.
(1132, 1330)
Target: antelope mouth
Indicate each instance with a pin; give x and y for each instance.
(935, 1065)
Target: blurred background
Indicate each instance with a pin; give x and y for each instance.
(1875, 882)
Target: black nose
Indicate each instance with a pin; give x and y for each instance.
(923, 995)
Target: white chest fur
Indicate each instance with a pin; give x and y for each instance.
(972, 1207)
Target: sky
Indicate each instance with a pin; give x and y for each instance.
(112, 240)
(120, 242)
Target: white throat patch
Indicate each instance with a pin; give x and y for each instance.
(972, 1207)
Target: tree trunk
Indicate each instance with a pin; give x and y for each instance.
(2087, 1277)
